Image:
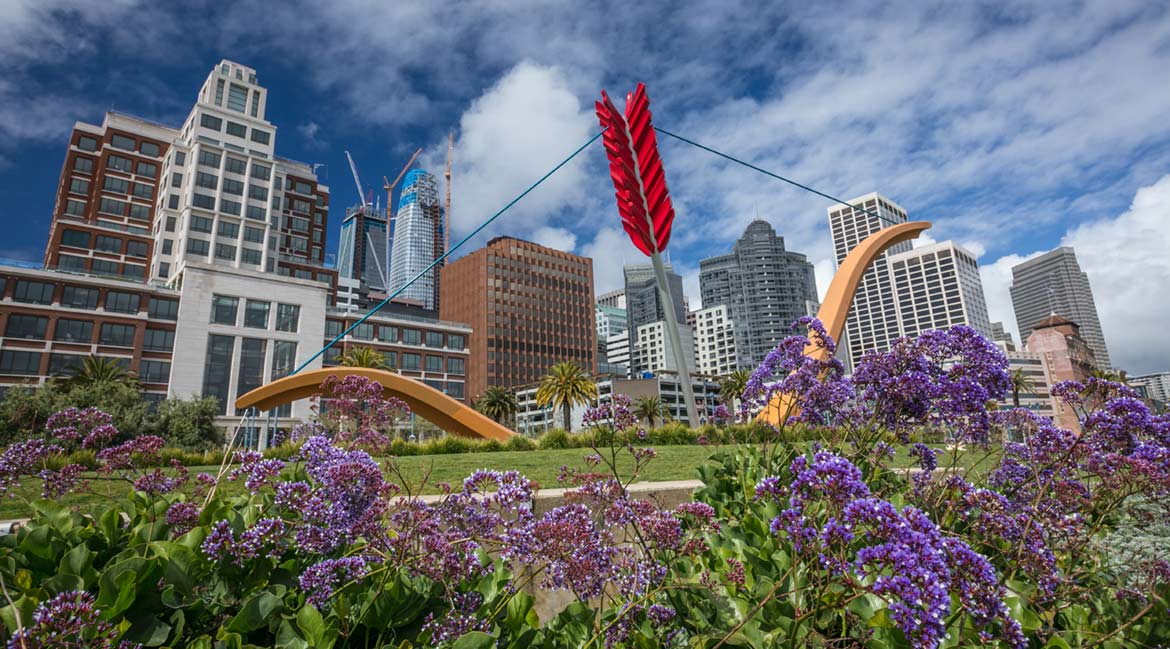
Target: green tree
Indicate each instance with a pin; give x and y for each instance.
(188, 423)
(1019, 382)
(497, 403)
(99, 369)
(648, 407)
(732, 386)
(364, 357)
(23, 411)
(563, 386)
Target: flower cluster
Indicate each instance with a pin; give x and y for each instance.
(89, 427)
(322, 580)
(814, 382)
(615, 412)
(68, 621)
(358, 413)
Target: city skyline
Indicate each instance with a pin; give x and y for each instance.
(518, 110)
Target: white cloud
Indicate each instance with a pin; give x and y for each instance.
(997, 281)
(611, 250)
(309, 131)
(556, 238)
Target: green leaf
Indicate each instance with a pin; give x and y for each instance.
(22, 607)
(1057, 642)
(256, 612)
(474, 640)
(313, 627)
(148, 631)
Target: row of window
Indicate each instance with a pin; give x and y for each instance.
(80, 297)
(104, 243)
(390, 334)
(250, 372)
(409, 361)
(234, 128)
(126, 143)
(31, 327)
(16, 361)
(225, 310)
(101, 267)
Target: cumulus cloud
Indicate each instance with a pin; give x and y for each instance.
(1128, 266)
(556, 238)
(611, 250)
(309, 131)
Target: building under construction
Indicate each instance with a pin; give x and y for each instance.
(418, 239)
(364, 244)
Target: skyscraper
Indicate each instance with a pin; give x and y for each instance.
(644, 304)
(1054, 283)
(765, 287)
(715, 351)
(938, 286)
(529, 308)
(873, 319)
(361, 254)
(417, 239)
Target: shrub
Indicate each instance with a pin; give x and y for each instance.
(556, 438)
(519, 443)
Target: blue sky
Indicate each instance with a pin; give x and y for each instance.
(1013, 126)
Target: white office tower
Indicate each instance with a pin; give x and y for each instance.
(873, 320)
(417, 239)
(714, 341)
(652, 351)
(938, 286)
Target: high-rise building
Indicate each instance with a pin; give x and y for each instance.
(533, 420)
(1054, 283)
(610, 320)
(765, 287)
(938, 286)
(1002, 337)
(617, 354)
(529, 307)
(361, 254)
(1067, 357)
(613, 298)
(417, 239)
(873, 319)
(644, 303)
(652, 351)
(715, 341)
(1157, 385)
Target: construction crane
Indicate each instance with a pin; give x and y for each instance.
(365, 204)
(389, 186)
(447, 175)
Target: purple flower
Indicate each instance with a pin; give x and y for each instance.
(90, 426)
(265, 537)
(122, 456)
(458, 621)
(615, 413)
(220, 541)
(62, 481)
(322, 580)
(65, 621)
(22, 459)
(815, 382)
(183, 517)
(258, 472)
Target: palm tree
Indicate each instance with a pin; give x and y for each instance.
(648, 407)
(1019, 382)
(497, 403)
(96, 370)
(732, 386)
(563, 386)
(364, 357)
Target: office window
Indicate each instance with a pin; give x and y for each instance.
(139, 212)
(71, 263)
(149, 148)
(364, 331)
(233, 186)
(333, 328)
(237, 98)
(210, 121)
(455, 365)
(255, 96)
(223, 309)
(258, 192)
(134, 272)
(410, 362)
(116, 185)
(103, 267)
(137, 249)
(159, 340)
(170, 224)
(74, 208)
(434, 363)
(256, 314)
(108, 244)
(434, 339)
(288, 318)
(251, 256)
(219, 88)
(284, 358)
(180, 158)
(75, 239)
(118, 163)
(83, 164)
(260, 137)
(111, 206)
(122, 142)
(209, 158)
(217, 366)
(236, 165)
(168, 246)
(261, 172)
(225, 251)
(117, 335)
(120, 302)
(143, 191)
(203, 201)
(78, 186)
(237, 130)
(30, 327)
(198, 247)
(256, 212)
(20, 362)
(411, 336)
(207, 180)
(148, 169)
(438, 385)
(151, 371)
(229, 229)
(388, 334)
(87, 143)
(172, 203)
(253, 235)
(176, 179)
(200, 224)
(229, 207)
(73, 331)
(32, 292)
(251, 371)
(63, 364)
(332, 356)
(454, 390)
(163, 309)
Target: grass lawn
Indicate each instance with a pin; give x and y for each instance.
(672, 463)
